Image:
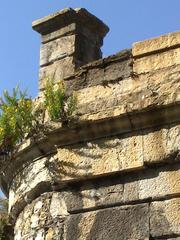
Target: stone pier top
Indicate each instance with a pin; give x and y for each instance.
(67, 16)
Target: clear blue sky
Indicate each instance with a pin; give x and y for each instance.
(128, 20)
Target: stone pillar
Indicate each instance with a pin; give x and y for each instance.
(70, 39)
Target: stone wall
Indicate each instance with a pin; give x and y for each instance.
(115, 172)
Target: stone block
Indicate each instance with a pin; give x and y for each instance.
(101, 72)
(56, 71)
(64, 31)
(156, 44)
(132, 94)
(155, 183)
(100, 157)
(57, 49)
(118, 71)
(36, 221)
(161, 145)
(159, 183)
(26, 181)
(165, 218)
(93, 194)
(99, 98)
(128, 222)
(157, 61)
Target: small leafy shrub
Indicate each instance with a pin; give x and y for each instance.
(16, 119)
(59, 107)
(20, 117)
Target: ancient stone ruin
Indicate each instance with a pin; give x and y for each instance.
(115, 173)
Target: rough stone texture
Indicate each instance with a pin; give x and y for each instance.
(157, 61)
(114, 171)
(130, 222)
(143, 185)
(24, 184)
(65, 31)
(56, 71)
(161, 145)
(57, 49)
(103, 157)
(75, 33)
(129, 95)
(156, 44)
(104, 71)
(165, 217)
(43, 219)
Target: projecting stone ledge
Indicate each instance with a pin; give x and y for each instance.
(67, 16)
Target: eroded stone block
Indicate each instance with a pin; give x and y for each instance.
(156, 44)
(157, 61)
(165, 218)
(40, 223)
(56, 71)
(100, 157)
(128, 222)
(161, 145)
(57, 49)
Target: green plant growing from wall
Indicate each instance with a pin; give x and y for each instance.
(16, 118)
(19, 118)
(59, 106)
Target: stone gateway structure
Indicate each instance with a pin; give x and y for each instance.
(114, 174)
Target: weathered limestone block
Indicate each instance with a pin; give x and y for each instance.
(122, 153)
(132, 94)
(100, 76)
(55, 71)
(161, 145)
(160, 183)
(165, 218)
(160, 43)
(71, 32)
(155, 183)
(157, 61)
(128, 222)
(100, 157)
(57, 49)
(27, 181)
(43, 219)
(64, 31)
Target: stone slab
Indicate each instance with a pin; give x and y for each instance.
(157, 61)
(27, 181)
(132, 94)
(165, 218)
(56, 71)
(113, 72)
(155, 183)
(70, 29)
(100, 157)
(161, 145)
(129, 222)
(57, 49)
(68, 16)
(156, 44)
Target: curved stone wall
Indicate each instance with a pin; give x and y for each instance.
(115, 172)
